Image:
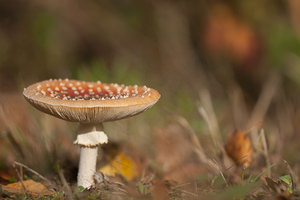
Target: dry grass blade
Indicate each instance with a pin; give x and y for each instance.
(239, 108)
(292, 175)
(102, 182)
(207, 112)
(66, 186)
(265, 150)
(198, 147)
(263, 103)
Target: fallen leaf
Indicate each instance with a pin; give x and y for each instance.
(160, 190)
(122, 165)
(33, 188)
(186, 172)
(173, 147)
(239, 148)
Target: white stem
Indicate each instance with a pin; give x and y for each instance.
(90, 136)
(87, 166)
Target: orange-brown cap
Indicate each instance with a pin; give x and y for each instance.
(89, 102)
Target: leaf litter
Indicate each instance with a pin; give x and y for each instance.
(176, 170)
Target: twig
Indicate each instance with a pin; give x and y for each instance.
(36, 173)
(21, 181)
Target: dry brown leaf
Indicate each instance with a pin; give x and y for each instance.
(160, 190)
(186, 172)
(33, 188)
(7, 175)
(173, 147)
(239, 148)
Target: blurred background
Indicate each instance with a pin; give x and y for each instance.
(238, 60)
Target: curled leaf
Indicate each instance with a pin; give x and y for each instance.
(239, 148)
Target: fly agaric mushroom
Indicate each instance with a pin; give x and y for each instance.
(90, 104)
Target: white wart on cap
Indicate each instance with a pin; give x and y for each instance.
(89, 102)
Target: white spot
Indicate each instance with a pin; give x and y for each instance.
(106, 87)
(43, 92)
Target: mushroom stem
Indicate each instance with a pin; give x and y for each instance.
(89, 137)
(87, 166)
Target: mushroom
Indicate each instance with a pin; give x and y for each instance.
(90, 104)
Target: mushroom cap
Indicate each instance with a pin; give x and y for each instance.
(89, 102)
